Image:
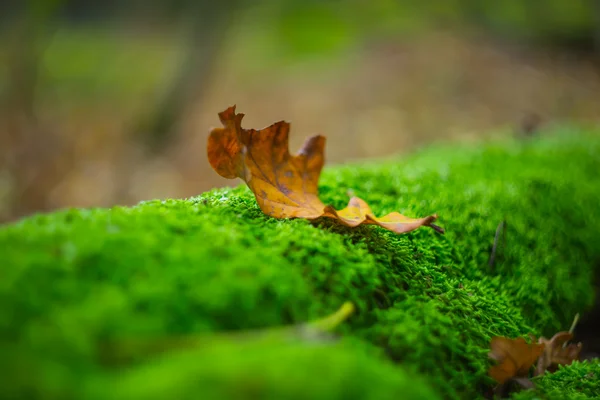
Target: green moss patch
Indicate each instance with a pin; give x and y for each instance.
(580, 380)
(274, 369)
(427, 304)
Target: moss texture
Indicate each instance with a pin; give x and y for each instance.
(580, 380)
(427, 304)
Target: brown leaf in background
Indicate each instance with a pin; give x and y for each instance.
(515, 357)
(557, 352)
(285, 185)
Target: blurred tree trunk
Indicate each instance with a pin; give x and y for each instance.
(206, 23)
(596, 11)
(24, 155)
(30, 32)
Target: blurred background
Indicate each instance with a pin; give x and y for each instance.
(111, 102)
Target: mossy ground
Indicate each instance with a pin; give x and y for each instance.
(427, 304)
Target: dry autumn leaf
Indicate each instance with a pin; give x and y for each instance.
(285, 185)
(515, 358)
(557, 352)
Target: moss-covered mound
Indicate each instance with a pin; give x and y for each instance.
(427, 304)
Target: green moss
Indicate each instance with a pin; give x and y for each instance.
(273, 369)
(578, 381)
(76, 278)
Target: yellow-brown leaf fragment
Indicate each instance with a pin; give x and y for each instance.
(286, 185)
(514, 356)
(225, 147)
(557, 352)
(358, 212)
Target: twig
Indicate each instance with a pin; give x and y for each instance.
(437, 228)
(499, 229)
(572, 328)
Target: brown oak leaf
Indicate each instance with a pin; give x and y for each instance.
(285, 185)
(515, 358)
(557, 352)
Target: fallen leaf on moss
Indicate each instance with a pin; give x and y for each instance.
(557, 352)
(285, 185)
(515, 358)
